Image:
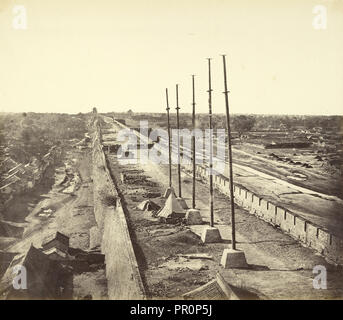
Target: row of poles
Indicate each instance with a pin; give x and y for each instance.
(210, 90)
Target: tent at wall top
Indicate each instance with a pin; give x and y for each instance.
(172, 208)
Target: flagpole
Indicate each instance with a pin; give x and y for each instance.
(178, 140)
(169, 146)
(193, 142)
(210, 153)
(226, 92)
(231, 258)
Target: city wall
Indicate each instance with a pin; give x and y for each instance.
(122, 273)
(306, 232)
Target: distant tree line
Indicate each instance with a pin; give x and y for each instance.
(32, 134)
(242, 124)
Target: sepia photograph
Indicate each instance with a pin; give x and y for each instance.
(187, 151)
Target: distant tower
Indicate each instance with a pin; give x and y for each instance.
(130, 113)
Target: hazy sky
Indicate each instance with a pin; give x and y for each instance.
(116, 55)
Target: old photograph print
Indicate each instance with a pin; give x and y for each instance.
(159, 150)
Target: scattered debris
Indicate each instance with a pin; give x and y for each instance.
(217, 289)
(162, 232)
(298, 176)
(148, 205)
(45, 213)
(196, 256)
(153, 194)
(181, 264)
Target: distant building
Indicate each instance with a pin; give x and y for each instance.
(287, 145)
(7, 189)
(7, 164)
(122, 121)
(58, 241)
(46, 278)
(56, 254)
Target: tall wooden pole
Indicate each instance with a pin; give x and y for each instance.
(210, 153)
(169, 146)
(178, 140)
(226, 92)
(193, 142)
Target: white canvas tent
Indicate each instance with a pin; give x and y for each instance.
(148, 205)
(171, 209)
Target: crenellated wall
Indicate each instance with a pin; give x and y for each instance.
(300, 229)
(297, 227)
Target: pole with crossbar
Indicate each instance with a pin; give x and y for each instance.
(210, 142)
(193, 142)
(226, 92)
(169, 146)
(178, 140)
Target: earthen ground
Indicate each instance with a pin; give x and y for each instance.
(279, 267)
(72, 215)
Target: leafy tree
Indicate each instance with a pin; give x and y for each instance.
(288, 122)
(243, 124)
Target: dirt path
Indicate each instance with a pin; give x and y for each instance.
(72, 216)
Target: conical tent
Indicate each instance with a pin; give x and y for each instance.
(171, 208)
(148, 205)
(168, 191)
